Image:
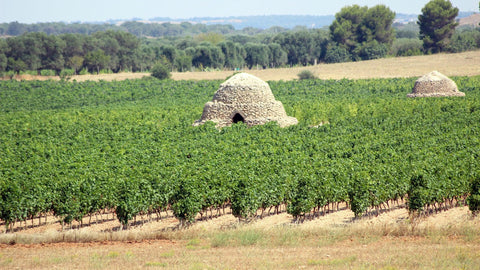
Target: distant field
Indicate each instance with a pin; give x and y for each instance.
(459, 64)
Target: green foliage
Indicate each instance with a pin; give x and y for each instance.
(337, 54)
(371, 50)
(417, 193)
(97, 60)
(66, 73)
(47, 72)
(407, 47)
(361, 30)
(161, 70)
(465, 40)
(437, 25)
(359, 192)
(306, 75)
(474, 199)
(77, 148)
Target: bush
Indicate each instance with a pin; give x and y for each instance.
(67, 72)
(83, 72)
(473, 200)
(337, 54)
(466, 40)
(105, 71)
(47, 72)
(407, 47)
(306, 75)
(161, 70)
(371, 50)
(29, 72)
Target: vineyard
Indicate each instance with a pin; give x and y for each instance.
(76, 149)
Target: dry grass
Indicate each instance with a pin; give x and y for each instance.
(247, 247)
(448, 240)
(459, 64)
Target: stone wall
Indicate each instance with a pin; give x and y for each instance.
(435, 84)
(250, 97)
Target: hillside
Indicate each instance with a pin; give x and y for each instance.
(472, 20)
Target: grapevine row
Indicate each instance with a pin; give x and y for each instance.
(76, 149)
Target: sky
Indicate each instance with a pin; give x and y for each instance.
(33, 11)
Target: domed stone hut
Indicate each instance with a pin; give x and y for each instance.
(435, 84)
(245, 98)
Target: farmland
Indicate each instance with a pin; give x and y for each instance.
(77, 149)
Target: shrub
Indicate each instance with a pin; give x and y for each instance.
(371, 50)
(161, 70)
(83, 72)
(407, 47)
(67, 72)
(417, 193)
(105, 71)
(29, 72)
(466, 40)
(47, 72)
(306, 75)
(473, 200)
(337, 54)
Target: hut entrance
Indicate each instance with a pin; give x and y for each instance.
(238, 118)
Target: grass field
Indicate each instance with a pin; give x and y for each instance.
(448, 240)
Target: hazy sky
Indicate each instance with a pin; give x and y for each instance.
(32, 11)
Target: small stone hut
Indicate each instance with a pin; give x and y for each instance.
(435, 84)
(245, 98)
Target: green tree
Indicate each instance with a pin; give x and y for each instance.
(96, 60)
(234, 54)
(3, 57)
(437, 25)
(257, 54)
(183, 62)
(75, 62)
(161, 70)
(361, 28)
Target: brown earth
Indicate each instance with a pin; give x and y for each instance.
(472, 20)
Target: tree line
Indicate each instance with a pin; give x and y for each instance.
(357, 33)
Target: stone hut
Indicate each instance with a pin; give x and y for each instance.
(435, 84)
(245, 98)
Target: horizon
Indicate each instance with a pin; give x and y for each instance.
(124, 10)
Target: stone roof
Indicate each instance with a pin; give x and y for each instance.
(435, 84)
(244, 98)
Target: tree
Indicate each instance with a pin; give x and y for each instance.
(96, 60)
(278, 57)
(234, 54)
(357, 28)
(437, 24)
(183, 62)
(161, 70)
(257, 54)
(75, 62)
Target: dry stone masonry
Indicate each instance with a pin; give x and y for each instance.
(245, 98)
(435, 84)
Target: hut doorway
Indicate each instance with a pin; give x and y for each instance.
(238, 118)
